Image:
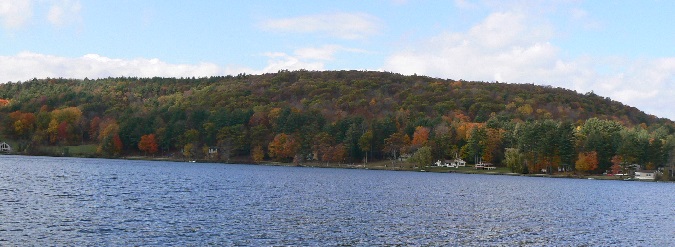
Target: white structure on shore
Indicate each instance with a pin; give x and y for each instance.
(454, 163)
(645, 175)
(5, 148)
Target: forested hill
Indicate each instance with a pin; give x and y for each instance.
(337, 94)
(247, 114)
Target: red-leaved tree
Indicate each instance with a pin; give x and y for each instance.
(148, 144)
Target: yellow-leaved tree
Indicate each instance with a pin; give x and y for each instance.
(587, 161)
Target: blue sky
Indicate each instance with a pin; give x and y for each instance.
(624, 50)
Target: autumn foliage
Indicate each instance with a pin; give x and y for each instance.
(616, 168)
(587, 161)
(284, 147)
(421, 136)
(333, 116)
(23, 124)
(335, 153)
(148, 144)
(258, 154)
(110, 143)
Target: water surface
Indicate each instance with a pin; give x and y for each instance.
(84, 202)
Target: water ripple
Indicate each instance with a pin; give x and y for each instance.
(84, 202)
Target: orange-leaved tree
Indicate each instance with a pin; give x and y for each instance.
(335, 153)
(283, 147)
(421, 136)
(148, 144)
(23, 124)
(587, 161)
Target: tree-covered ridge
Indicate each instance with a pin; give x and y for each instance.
(333, 116)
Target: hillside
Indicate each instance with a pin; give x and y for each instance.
(333, 116)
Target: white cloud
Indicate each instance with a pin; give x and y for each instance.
(508, 46)
(499, 48)
(326, 52)
(27, 65)
(318, 53)
(309, 58)
(282, 61)
(15, 13)
(340, 25)
(646, 84)
(63, 12)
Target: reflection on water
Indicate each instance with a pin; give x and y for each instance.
(75, 202)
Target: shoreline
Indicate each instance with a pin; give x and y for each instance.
(378, 165)
(399, 166)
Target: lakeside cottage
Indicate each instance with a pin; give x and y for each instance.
(5, 148)
(645, 175)
(456, 163)
(485, 166)
(213, 152)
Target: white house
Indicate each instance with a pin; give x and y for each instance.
(645, 175)
(5, 148)
(457, 162)
(454, 163)
(213, 152)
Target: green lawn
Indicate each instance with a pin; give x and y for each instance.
(78, 151)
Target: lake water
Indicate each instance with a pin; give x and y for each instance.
(98, 202)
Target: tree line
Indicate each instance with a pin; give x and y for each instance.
(337, 117)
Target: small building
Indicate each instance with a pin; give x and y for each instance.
(457, 162)
(404, 157)
(451, 163)
(213, 152)
(565, 167)
(645, 175)
(485, 166)
(669, 171)
(5, 148)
